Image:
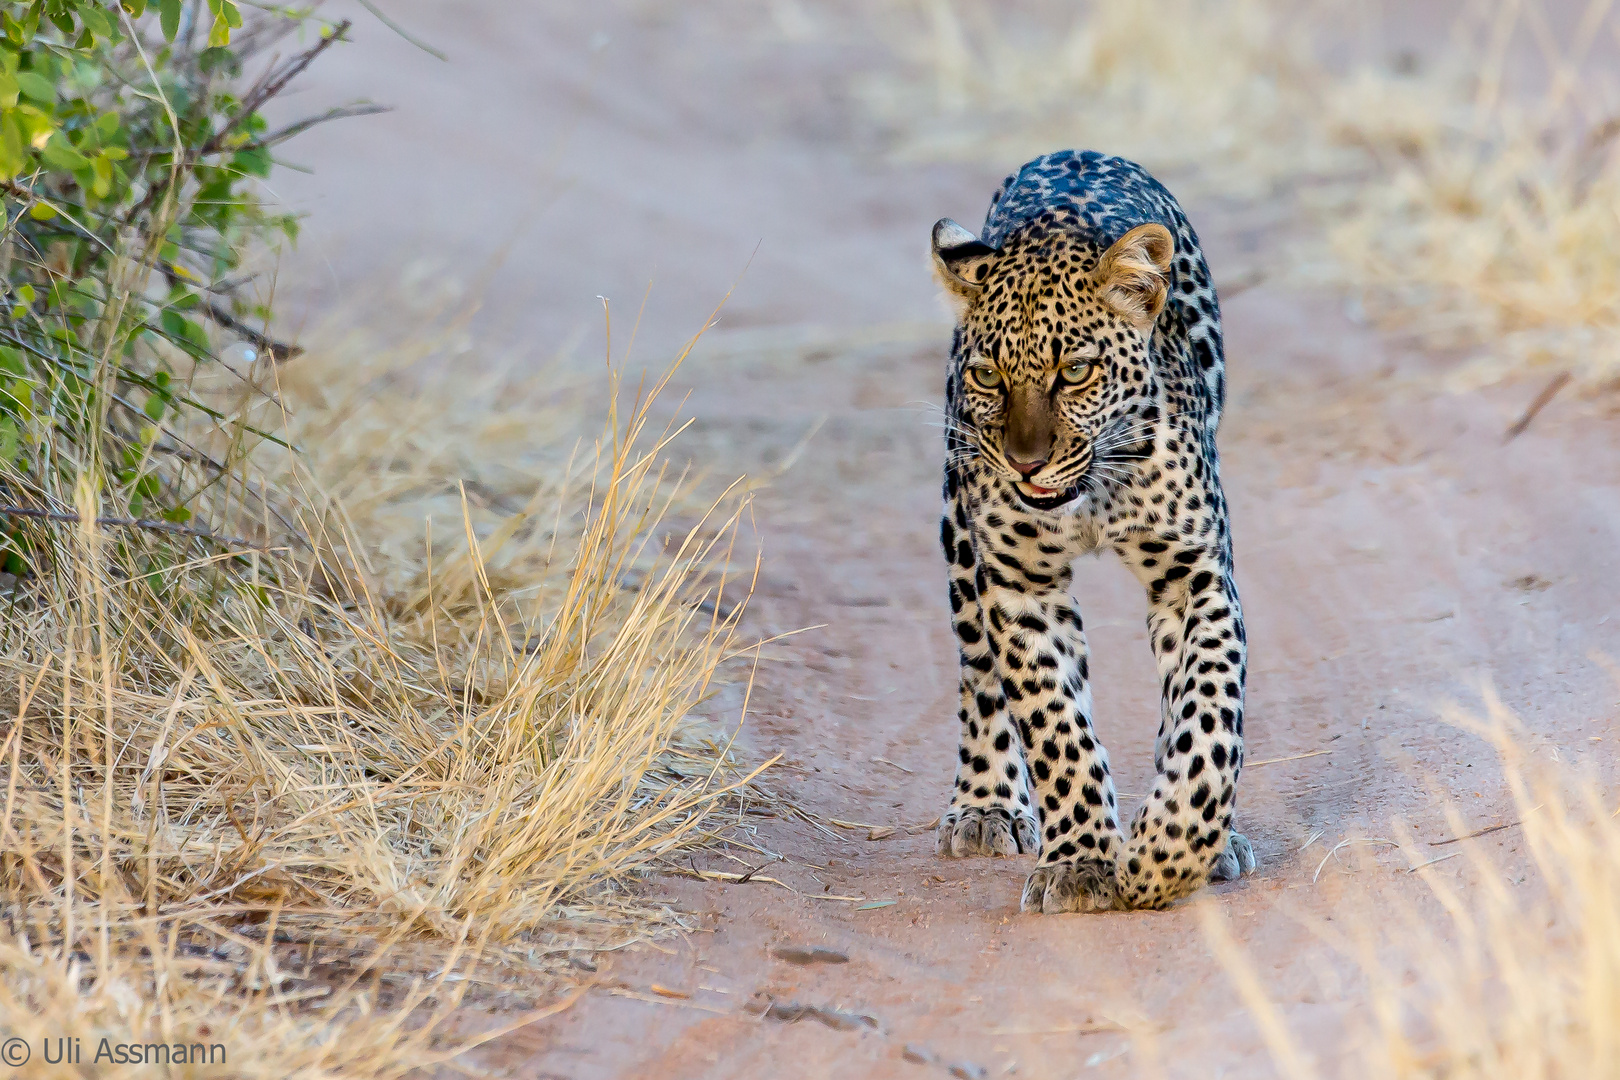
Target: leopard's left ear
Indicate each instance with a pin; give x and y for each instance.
(1133, 276)
(961, 262)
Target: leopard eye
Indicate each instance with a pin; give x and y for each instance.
(1077, 372)
(987, 378)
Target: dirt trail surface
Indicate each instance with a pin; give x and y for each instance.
(1394, 554)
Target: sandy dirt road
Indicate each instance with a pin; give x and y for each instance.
(1394, 554)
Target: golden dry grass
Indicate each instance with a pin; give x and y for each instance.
(1487, 217)
(1519, 974)
(296, 801)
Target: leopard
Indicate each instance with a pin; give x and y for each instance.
(1086, 382)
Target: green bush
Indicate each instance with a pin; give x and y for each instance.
(131, 150)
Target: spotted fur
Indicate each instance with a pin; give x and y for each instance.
(1085, 388)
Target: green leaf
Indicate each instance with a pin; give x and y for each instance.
(13, 158)
(226, 9)
(96, 21)
(102, 169)
(61, 154)
(10, 438)
(218, 60)
(219, 35)
(255, 162)
(185, 330)
(36, 87)
(169, 18)
(135, 8)
(8, 90)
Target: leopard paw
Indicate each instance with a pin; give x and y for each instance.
(1082, 885)
(972, 830)
(1235, 861)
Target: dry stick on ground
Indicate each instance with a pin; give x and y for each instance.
(751, 876)
(883, 832)
(1540, 402)
(1431, 862)
(1294, 757)
(1478, 832)
(1346, 843)
(1239, 286)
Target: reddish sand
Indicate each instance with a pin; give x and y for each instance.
(1393, 553)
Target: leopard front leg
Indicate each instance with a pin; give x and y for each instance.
(1039, 646)
(1181, 837)
(989, 811)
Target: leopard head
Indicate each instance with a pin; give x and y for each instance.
(1052, 364)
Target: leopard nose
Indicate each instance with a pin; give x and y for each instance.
(1026, 468)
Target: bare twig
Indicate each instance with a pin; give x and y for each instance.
(277, 350)
(1292, 757)
(883, 832)
(342, 112)
(1431, 862)
(739, 879)
(135, 523)
(1540, 402)
(1239, 286)
(1477, 832)
(1346, 843)
(274, 82)
(400, 30)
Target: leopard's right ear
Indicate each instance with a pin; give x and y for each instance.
(961, 262)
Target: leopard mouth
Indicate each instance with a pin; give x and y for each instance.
(1045, 498)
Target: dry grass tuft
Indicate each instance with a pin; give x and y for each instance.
(1519, 980)
(292, 800)
(1487, 219)
(1519, 974)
